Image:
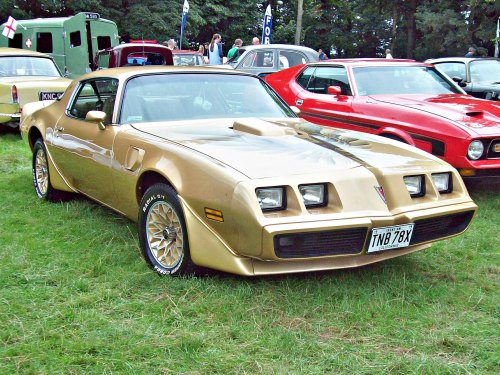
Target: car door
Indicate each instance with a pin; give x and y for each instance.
(83, 149)
(316, 104)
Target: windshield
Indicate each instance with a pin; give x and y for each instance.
(188, 96)
(485, 71)
(378, 80)
(12, 66)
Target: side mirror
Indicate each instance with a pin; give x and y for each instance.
(295, 110)
(334, 90)
(96, 117)
(459, 80)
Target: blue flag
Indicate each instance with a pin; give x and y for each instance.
(267, 28)
(185, 10)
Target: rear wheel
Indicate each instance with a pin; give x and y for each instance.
(162, 232)
(41, 175)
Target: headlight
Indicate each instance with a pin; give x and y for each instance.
(271, 198)
(415, 185)
(475, 150)
(442, 181)
(313, 195)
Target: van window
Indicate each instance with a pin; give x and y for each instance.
(103, 42)
(17, 41)
(74, 39)
(44, 42)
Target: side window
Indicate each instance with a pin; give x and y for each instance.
(258, 59)
(75, 39)
(103, 42)
(305, 76)
(329, 76)
(17, 41)
(288, 59)
(95, 95)
(453, 69)
(44, 42)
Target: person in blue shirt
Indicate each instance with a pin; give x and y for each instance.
(215, 50)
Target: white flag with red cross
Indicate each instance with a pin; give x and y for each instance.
(10, 28)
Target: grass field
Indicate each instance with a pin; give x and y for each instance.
(76, 297)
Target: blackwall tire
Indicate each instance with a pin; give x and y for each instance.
(162, 232)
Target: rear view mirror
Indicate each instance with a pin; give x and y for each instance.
(334, 90)
(459, 80)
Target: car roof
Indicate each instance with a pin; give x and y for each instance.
(371, 62)
(252, 47)
(5, 51)
(127, 72)
(459, 59)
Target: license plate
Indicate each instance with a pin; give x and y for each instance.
(390, 237)
(49, 95)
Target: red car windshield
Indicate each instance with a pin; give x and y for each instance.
(381, 80)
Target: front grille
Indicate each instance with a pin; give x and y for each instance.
(439, 227)
(491, 153)
(317, 244)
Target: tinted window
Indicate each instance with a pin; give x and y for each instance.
(44, 42)
(169, 97)
(324, 77)
(17, 41)
(75, 39)
(95, 95)
(305, 76)
(373, 80)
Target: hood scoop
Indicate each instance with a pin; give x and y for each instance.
(475, 113)
(262, 128)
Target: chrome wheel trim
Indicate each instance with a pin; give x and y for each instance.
(164, 234)
(41, 172)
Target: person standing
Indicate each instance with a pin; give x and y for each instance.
(388, 54)
(234, 51)
(255, 41)
(171, 44)
(471, 53)
(322, 55)
(215, 50)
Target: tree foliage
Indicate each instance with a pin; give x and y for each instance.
(347, 28)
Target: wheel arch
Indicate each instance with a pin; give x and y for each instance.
(397, 134)
(147, 179)
(33, 135)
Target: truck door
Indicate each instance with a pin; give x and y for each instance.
(76, 46)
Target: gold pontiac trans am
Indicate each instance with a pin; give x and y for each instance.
(26, 76)
(219, 172)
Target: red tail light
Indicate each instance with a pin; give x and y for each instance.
(15, 98)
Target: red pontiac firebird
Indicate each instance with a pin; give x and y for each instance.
(405, 100)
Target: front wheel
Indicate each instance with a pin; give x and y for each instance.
(41, 176)
(162, 232)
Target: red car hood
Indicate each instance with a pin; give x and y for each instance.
(471, 114)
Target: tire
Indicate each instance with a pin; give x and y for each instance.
(41, 175)
(162, 232)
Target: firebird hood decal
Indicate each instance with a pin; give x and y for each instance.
(314, 149)
(469, 113)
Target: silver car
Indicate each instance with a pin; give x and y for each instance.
(264, 59)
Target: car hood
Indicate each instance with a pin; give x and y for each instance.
(471, 114)
(261, 149)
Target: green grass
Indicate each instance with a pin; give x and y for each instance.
(76, 297)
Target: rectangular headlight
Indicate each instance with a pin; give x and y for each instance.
(415, 185)
(271, 198)
(314, 195)
(442, 181)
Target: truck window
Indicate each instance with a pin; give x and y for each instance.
(44, 42)
(103, 42)
(17, 41)
(75, 39)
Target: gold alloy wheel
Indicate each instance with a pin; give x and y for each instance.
(164, 232)
(41, 172)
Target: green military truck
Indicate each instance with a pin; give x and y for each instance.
(71, 41)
